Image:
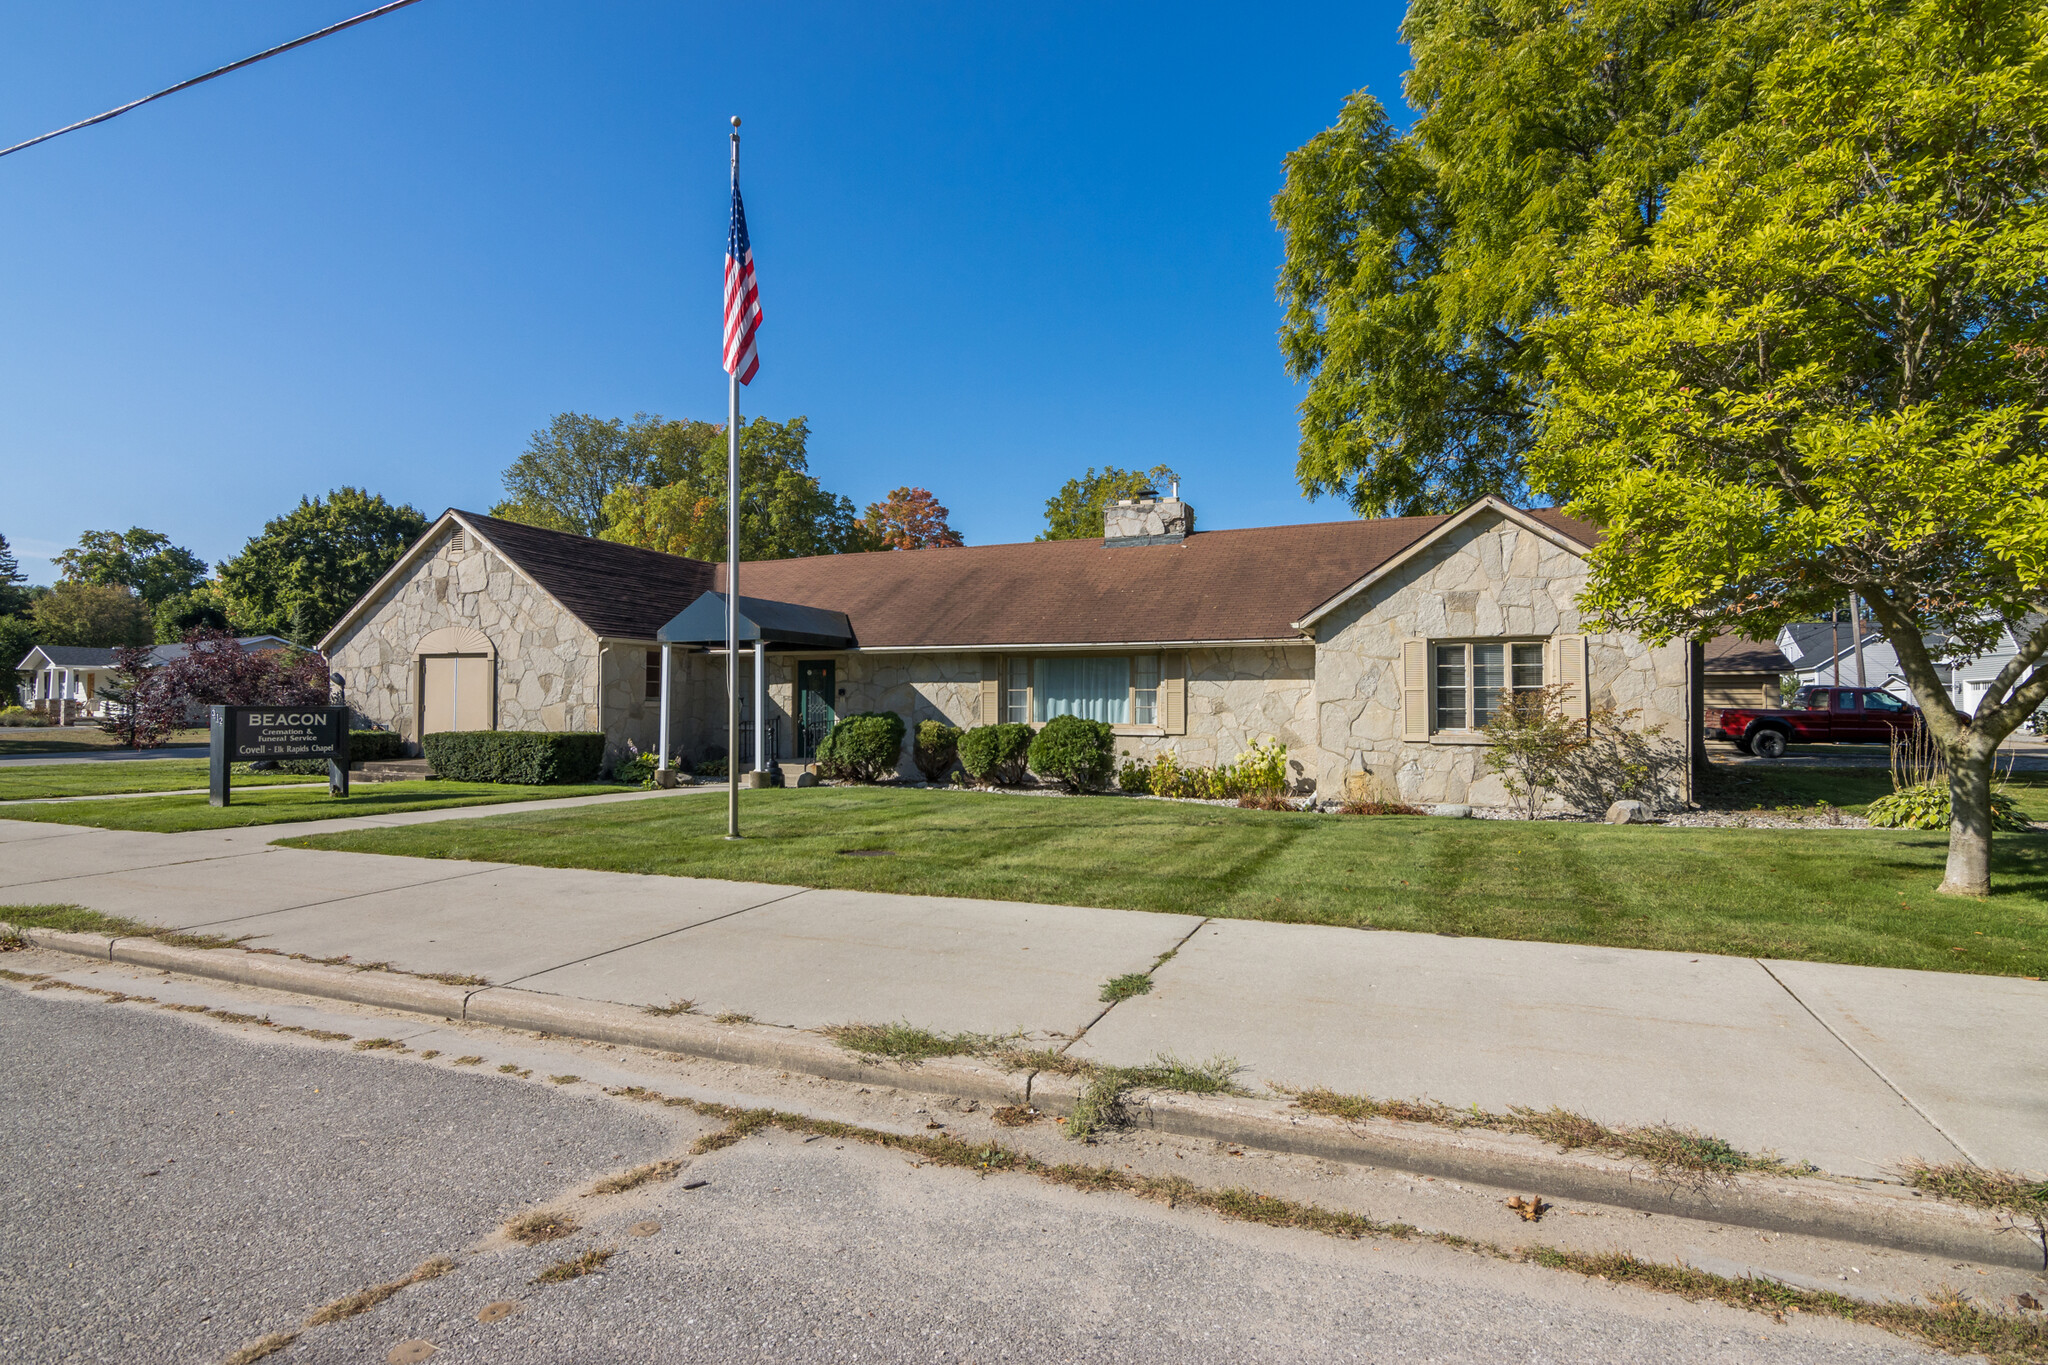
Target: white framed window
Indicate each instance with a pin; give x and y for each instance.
(1145, 690)
(1471, 679)
(1117, 689)
(1017, 692)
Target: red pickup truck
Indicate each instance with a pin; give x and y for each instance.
(1818, 715)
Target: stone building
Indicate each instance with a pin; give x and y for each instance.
(1366, 647)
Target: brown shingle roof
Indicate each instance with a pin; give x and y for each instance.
(1733, 654)
(619, 591)
(1215, 585)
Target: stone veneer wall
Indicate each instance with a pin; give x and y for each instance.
(546, 674)
(1494, 579)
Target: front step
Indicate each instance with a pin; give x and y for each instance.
(392, 770)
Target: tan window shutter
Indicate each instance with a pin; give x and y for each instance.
(991, 688)
(1415, 689)
(1173, 693)
(1571, 672)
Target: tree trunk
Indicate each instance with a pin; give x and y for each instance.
(1969, 825)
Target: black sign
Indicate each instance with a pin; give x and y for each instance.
(242, 734)
(286, 731)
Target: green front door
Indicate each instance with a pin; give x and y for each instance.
(814, 700)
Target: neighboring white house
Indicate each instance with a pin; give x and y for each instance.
(1823, 654)
(65, 680)
(1968, 678)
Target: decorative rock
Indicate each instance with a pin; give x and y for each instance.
(1452, 812)
(807, 779)
(1628, 813)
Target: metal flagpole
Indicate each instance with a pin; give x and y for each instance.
(732, 572)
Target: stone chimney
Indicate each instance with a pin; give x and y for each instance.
(1148, 519)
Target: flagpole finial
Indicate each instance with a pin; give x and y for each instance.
(735, 122)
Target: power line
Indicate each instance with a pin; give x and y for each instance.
(222, 71)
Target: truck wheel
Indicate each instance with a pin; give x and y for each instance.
(1767, 744)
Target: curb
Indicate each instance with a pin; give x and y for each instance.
(1895, 1218)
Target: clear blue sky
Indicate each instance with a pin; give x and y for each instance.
(997, 245)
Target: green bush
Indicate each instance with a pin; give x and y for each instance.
(527, 757)
(863, 747)
(21, 715)
(938, 744)
(995, 755)
(711, 767)
(1926, 807)
(374, 746)
(1078, 754)
(1259, 771)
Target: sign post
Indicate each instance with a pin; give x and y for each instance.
(241, 734)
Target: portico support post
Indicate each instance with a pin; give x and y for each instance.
(760, 706)
(661, 758)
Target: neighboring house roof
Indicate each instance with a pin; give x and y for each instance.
(1733, 654)
(80, 656)
(69, 656)
(251, 644)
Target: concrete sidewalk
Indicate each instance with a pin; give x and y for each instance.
(1855, 1069)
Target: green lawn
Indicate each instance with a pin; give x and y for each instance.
(1757, 787)
(176, 814)
(39, 781)
(19, 740)
(1858, 896)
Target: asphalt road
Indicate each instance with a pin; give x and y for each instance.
(171, 1191)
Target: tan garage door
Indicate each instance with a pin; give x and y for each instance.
(457, 693)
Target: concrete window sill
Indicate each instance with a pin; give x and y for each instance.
(1454, 737)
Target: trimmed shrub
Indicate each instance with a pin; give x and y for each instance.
(1078, 754)
(21, 715)
(995, 755)
(938, 744)
(1926, 807)
(374, 746)
(863, 747)
(526, 757)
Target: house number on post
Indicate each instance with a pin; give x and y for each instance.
(241, 734)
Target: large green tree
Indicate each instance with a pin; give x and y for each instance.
(94, 615)
(311, 564)
(784, 511)
(1076, 511)
(568, 470)
(1824, 368)
(136, 558)
(1416, 263)
(14, 598)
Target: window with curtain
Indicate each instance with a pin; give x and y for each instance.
(1017, 692)
(1472, 680)
(1145, 690)
(1077, 685)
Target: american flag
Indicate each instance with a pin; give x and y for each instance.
(742, 297)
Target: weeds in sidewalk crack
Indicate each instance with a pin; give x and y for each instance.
(906, 1043)
(1120, 988)
(470, 1060)
(672, 1008)
(730, 1018)
(1669, 1149)
(539, 1225)
(363, 1300)
(263, 1346)
(381, 1045)
(1102, 1101)
(589, 1262)
(635, 1178)
(1953, 1324)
